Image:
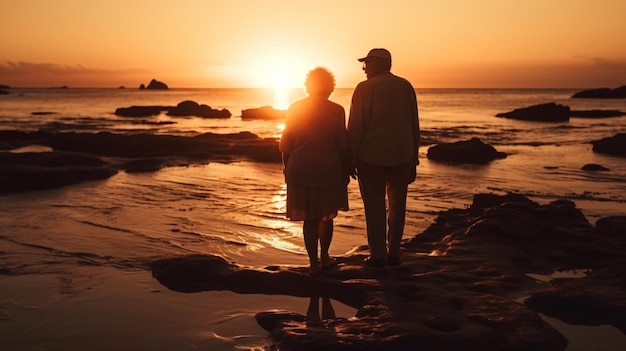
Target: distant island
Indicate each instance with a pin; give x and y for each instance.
(155, 85)
(602, 93)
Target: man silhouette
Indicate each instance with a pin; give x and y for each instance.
(384, 133)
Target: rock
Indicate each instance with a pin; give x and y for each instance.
(200, 148)
(157, 85)
(183, 109)
(594, 167)
(192, 108)
(143, 165)
(456, 288)
(602, 93)
(142, 86)
(46, 170)
(549, 112)
(265, 113)
(596, 113)
(600, 296)
(3, 92)
(591, 300)
(76, 155)
(140, 111)
(615, 145)
(469, 151)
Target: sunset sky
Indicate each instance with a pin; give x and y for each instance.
(273, 43)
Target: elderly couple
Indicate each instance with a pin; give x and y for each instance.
(379, 147)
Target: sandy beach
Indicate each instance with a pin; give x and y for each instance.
(104, 308)
(85, 302)
(99, 308)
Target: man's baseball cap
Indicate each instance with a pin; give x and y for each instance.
(377, 53)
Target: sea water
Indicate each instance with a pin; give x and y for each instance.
(236, 210)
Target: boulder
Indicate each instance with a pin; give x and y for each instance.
(183, 109)
(156, 85)
(472, 151)
(140, 111)
(46, 170)
(596, 113)
(602, 93)
(548, 112)
(594, 167)
(615, 145)
(265, 113)
(192, 108)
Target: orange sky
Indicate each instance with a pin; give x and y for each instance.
(250, 43)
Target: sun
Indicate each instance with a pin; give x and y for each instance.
(277, 70)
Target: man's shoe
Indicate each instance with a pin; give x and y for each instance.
(376, 263)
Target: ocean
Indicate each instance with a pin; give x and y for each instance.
(236, 210)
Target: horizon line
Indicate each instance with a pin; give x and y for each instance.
(63, 87)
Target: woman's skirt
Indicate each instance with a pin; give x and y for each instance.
(308, 203)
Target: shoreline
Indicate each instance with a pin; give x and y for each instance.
(459, 294)
(104, 308)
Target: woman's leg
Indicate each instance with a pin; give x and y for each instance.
(326, 236)
(310, 229)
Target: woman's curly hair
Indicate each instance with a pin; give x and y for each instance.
(320, 82)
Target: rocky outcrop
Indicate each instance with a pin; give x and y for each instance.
(468, 151)
(600, 296)
(615, 145)
(264, 113)
(46, 170)
(140, 111)
(594, 167)
(549, 112)
(133, 153)
(183, 109)
(456, 288)
(596, 113)
(155, 85)
(602, 93)
(192, 108)
(209, 146)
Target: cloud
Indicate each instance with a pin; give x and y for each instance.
(50, 74)
(579, 72)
